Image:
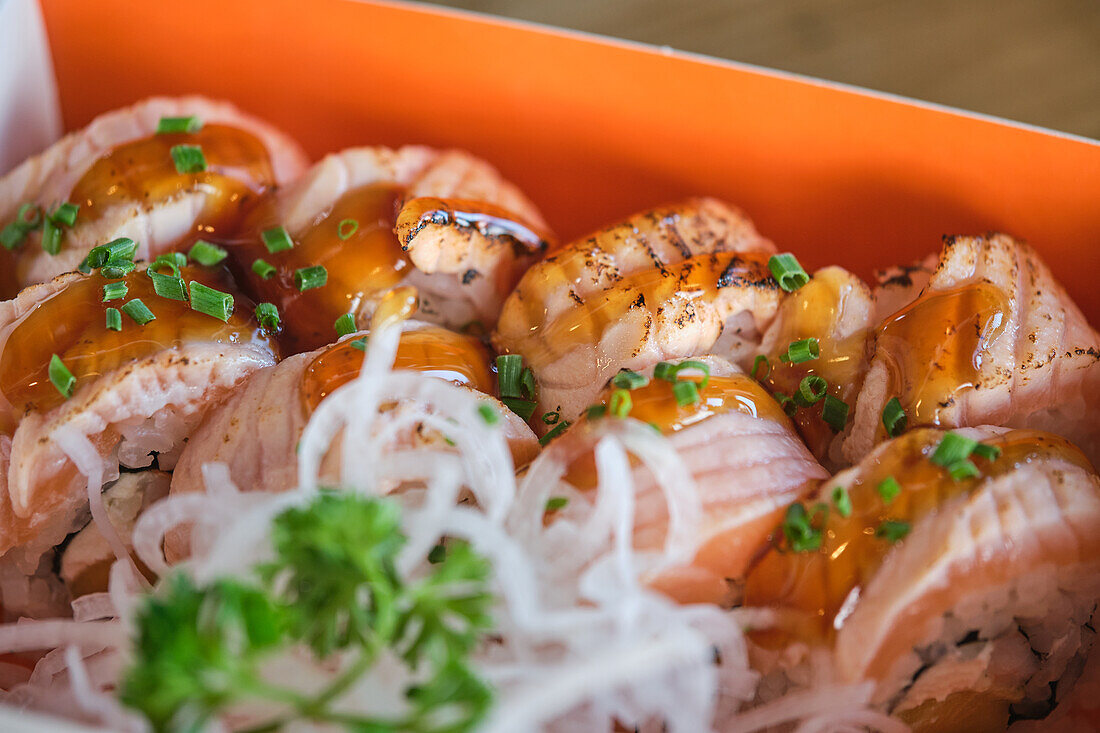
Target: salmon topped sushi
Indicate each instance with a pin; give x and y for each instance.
(365, 221)
(106, 371)
(163, 172)
(992, 339)
(256, 432)
(745, 460)
(958, 571)
(667, 283)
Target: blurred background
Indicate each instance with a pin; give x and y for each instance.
(1036, 61)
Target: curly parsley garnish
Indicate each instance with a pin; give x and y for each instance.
(333, 588)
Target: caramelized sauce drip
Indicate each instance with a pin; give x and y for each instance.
(697, 279)
(656, 404)
(489, 221)
(238, 170)
(818, 583)
(434, 351)
(815, 310)
(72, 324)
(935, 345)
(361, 267)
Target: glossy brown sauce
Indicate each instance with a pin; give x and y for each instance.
(656, 404)
(818, 583)
(489, 221)
(697, 279)
(434, 351)
(238, 171)
(364, 265)
(815, 310)
(934, 347)
(72, 324)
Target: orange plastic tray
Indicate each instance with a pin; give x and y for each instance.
(593, 128)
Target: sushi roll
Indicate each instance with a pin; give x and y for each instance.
(957, 571)
(676, 281)
(744, 457)
(365, 221)
(992, 339)
(256, 432)
(163, 172)
(820, 333)
(105, 372)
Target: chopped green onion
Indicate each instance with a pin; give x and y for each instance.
(188, 159)
(554, 503)
(61, 377)
(810, 390)
(345, 324)
(21, 216)
(138, 312)
(346, 228)
(115, 291)
(952, 449)
(488, 414)
(693, 365)
(51, 237)
(360, 343)
(264, 269)
(212, 302)
(277, 239)
(799, 530)
(558, 430)
(664, 371)
(527, 383)
(65, 214)
(178, 124)
(113, 270)
(14, 233)
(437, 554)
(986, 451)
(12, 236)
(595, 411)
(509, 368)
(551, 417)
(788, 405)
(888, 489)
(627, 379)
(656, 428)
(787, 272)
(174, 261)
(963, 469)
(842, 501)
(168, 286)
(308, 278)
(523, 408)
(802, 351)
(686, 393)
(114, 319)
(892, 530)
(761, 359)
(206, 254)
(620, 403)
(894, 418)
(268, 317)
(116, 251)
(835, 413)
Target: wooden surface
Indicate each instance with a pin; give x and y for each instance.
(1036, 61)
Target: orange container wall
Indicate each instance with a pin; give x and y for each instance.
(593, 129)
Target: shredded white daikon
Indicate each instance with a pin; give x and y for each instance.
(580, 642)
